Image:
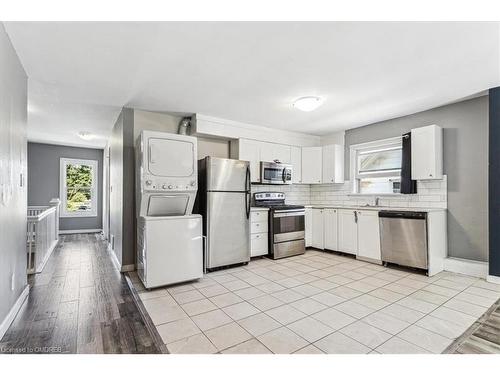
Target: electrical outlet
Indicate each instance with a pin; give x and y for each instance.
(12, 281)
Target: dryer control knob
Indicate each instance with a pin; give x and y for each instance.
(170, 187)
(193, 182)
(164, 186)
(149, 182)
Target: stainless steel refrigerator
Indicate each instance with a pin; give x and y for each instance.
(224, 202)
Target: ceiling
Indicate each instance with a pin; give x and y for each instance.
(81, 74)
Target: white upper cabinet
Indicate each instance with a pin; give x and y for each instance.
(330, 228)
(333, 164)
(368, 235)
(312, 166)
(249, 150)
(318, 239)
(427, 153)
(274, 151)
(296, 161)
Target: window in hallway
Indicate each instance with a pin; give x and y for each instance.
(78, 187)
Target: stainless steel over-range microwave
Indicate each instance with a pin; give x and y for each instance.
(275, 173)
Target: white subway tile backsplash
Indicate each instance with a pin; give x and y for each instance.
(431, 194)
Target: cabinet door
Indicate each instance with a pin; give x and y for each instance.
(308, 226)
(368, 235)
(318, 229)
(330, 229)
(274, 151)
(250, 151)
(312, 165)
(427, 153)
(296, 161)
(333, 164)
(348, 232)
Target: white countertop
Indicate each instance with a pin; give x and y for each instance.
(379, 208)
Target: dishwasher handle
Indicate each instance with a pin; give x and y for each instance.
(418, 215)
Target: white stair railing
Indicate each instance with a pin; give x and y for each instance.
(42, 234)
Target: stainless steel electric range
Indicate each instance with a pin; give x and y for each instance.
(286, 225)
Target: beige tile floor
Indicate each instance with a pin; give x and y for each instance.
(318, 302)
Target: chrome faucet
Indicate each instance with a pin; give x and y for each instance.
(376, 201)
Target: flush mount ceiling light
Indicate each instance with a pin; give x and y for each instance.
(308, 103)
(86, 136)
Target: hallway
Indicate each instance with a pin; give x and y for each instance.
(80, 303)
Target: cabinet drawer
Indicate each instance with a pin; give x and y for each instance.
(259, 227)
(258, 216)
(259, 244)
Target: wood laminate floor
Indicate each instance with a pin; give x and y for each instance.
(483, 337)
(80, 303)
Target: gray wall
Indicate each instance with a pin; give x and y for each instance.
(121, 195)
(43, 176)
(465, 162)
(13, 196)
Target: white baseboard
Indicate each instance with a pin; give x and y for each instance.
(493, 279)
(47, 256)
(122, 268)
(466, 267)
(79, 231)
(128, 267)
(115, 260)
(4, 326)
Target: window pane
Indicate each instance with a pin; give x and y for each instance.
(78, 199)
(379, 185)
(78, 175)
(379, 161)
(78, 187)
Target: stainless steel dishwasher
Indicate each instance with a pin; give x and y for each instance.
(403, 238)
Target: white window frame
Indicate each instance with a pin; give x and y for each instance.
(94, 189)
(388, 143)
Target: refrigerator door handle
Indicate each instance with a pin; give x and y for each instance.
(205, 254)
(247, 192)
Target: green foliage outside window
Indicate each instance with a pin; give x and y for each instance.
(78, 187)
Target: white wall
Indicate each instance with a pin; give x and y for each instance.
(337, 138)
(146, 120)
(13, 197)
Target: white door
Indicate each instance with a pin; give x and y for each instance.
(312, 165)
(368, 235)
(330, 220)
(250, 151)
(296, 161)
(308, 226)
(318, 229)
(348, 232)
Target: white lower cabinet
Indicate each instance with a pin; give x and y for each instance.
(308, 226)
(318, 239)
(368, 235)
(347, 231)
(259, 243)
(330, 228)
(354, 232)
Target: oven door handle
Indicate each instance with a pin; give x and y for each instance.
(287, 214)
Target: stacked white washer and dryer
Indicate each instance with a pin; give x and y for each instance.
(169, 236)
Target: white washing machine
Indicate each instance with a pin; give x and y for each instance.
(169, 236)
